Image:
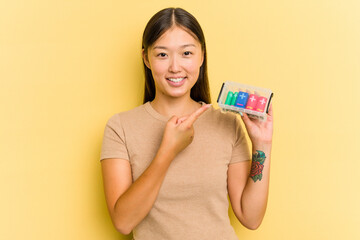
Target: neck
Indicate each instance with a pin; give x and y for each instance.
(179, 107)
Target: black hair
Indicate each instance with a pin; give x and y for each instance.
(155, 28)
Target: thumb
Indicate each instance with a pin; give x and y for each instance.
(173, 119)
(246, 119)
(180, 120)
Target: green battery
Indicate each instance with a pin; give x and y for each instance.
(233, 101)
(229, 98)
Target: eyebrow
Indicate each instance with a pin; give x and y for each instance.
(183, 46)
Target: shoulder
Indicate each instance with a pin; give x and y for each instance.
(217, 124)
(220, 119)
(219, 116)
(127, 116)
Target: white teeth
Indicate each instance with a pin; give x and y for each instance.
(176, 80)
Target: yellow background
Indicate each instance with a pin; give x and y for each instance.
(67, 66)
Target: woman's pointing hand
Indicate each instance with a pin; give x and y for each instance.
(179, 132)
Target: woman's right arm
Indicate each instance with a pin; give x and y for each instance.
(129, 203)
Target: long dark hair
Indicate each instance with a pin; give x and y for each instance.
(157, 25)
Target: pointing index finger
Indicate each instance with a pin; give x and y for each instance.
(192, 118)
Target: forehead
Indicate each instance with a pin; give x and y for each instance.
(175, 37)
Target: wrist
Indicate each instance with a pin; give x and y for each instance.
(165, 150)
(265, 147)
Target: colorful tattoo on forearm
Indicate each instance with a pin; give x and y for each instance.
(257, 165)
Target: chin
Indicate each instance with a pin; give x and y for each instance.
(178, 94)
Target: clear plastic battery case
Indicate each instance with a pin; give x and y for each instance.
(237, 97)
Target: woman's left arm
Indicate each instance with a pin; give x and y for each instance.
(248, 183)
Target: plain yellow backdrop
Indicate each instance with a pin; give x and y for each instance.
(67, 66)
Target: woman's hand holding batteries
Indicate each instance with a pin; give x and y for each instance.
(179, 132)
(260, 132)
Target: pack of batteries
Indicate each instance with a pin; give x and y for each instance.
(238, 98)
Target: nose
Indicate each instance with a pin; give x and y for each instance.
(174, 65)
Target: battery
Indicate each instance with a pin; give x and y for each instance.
(229, 98)
(261, 103)
(233, 101)
(241, 99)
(252, 102)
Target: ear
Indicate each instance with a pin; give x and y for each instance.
(202, 58)
(145, 58)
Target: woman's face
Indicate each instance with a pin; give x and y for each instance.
(175, 60)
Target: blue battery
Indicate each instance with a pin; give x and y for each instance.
(242, 99)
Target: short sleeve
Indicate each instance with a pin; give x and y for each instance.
(241, 148)
(113, 144)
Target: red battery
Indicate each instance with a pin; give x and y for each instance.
(252, 102)
(261, 103)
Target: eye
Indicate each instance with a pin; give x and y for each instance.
(187, 53)
(161, 55)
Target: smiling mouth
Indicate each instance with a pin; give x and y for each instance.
(176, 80)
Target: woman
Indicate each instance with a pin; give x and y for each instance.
(169, 164)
